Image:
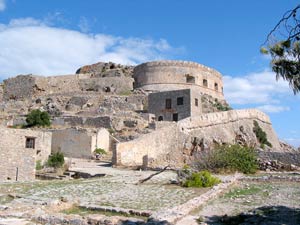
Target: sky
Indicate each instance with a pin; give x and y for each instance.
(53, 37)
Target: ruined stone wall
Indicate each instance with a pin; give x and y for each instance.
(78, 142)
(155, 150)
(179, 140)
(28, 86)
(16, 159)
(73, 143)
(173, 75)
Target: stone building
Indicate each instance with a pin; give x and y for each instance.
(19, 151)
(175, 105)
(79, 142)
(169, 75)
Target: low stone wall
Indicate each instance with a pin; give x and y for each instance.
(17, 161)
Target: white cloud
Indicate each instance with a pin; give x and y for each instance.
(2, 5)
(84, 24)
(32, 46)
(254, 88)
(273, 108)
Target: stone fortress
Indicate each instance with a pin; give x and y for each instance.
(157, 113)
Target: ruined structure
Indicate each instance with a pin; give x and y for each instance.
(19, 150)
(137, 105)
(79, 143)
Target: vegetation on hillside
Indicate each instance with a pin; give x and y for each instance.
(38, 118)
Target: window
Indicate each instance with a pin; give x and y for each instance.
(180, 101)
(196, 101)
(205, 84)
(190, 79)
(175, 117)
(216, 86)
(30, 142)
(168, 103)
(160, 118)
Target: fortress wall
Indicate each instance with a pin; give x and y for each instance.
(29, 86)
(174, 144)
(171, 75)
(210, 119)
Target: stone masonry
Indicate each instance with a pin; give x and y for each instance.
(19, 150)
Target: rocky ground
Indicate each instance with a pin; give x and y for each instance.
(118, 198)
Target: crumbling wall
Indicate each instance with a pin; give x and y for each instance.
(29, 86)
(73, 143)
(17, 161)
(155, 150)
(79, 142)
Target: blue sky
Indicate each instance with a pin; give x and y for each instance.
(52, 37)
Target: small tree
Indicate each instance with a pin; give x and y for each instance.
(38, 118)
(56, 160)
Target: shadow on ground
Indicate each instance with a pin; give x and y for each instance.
(272, 215)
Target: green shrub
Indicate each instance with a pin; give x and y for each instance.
(38, 165)
(100, 151)
(38, 118)
(260, 135)
(221, 107)
(56, 160)
(229, 158)
(201, 179)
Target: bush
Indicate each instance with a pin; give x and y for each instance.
(229, 158)
(260, 135)
(56, 160)
(38, 118)
(100, 151)
(38, 165)
(201, 179)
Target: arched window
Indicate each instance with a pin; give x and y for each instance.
(160, 118)
(216, 86)
(205, 83)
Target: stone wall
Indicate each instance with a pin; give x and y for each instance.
(175, 144)
(78, 142)
(29, 86)
(17, 161)
(155, 150)
(174, 75)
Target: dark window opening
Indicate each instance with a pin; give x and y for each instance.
(180, 101)
(205, 83)
(196, 101)
(175, 117)
(190, 79)
(168, 103)
(30, 142)
(216, 86)
(107, 89)
(160, 118)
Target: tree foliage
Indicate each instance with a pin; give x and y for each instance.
(38, 118)
(283, 45)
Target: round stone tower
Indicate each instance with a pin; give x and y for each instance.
(169, 75)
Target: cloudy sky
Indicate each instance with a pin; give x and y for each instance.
(53, 37)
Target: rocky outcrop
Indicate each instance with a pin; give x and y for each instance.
(109, 69)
